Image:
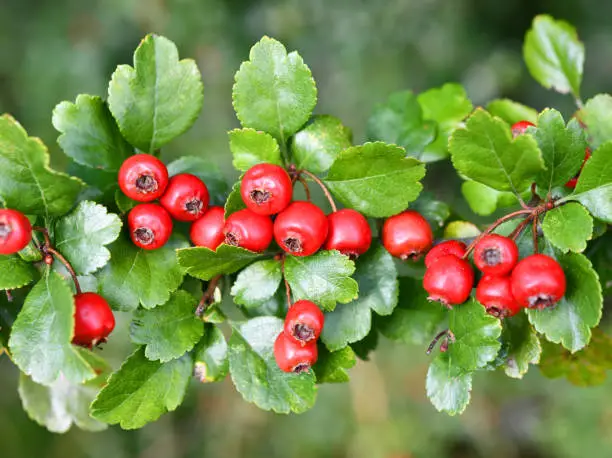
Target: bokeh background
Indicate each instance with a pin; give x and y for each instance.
(359, 51)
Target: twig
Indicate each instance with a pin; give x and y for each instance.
(287, 287)
(534, 229)
(9, 295)
(436, 339)
(64, 261)
(306, 188)
(317, 180)
(208, 297)
(518, 229)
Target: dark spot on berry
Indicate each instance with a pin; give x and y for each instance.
(302, 332)
(491, 257)
(302, 367)
(194, 206)
(5, 231)
(496, 312)
(540, 302)
(146, 184)
(144, 235)
(260, 196)
(293, 244)
(413, 256)
(232, 239)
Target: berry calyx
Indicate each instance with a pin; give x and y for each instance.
(454, 247)
(304, 321)
(495, 255)
(495, 294)
(186, 197)
(143, 177)
(15, 231)
(208, 230)
(538, 282)
(266, 189)
(150, 226)
(291, 356)
(248, 230)
(449, 280)
(301, 229)
(574, 181)
(93, 319)
(407, 235)
(520, 127)
(349, 232)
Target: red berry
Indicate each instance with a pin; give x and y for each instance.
(248, 230)
(349, 232)
(538, 282)
(208, 230)
(186, 197)
(449, 280)
(304, 321)
(495, 293)
(573, 181)
(93, 319)
(143, 177)
(291, 356)
(266, 189)
(407, 235)
(520, 127)
(301, 229)
(495, 255)
(15, 231)
(150, 226)
(454, 247)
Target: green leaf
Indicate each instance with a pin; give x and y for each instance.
(41, 335)
(368, 344)
(251, 147)
(596, 114)
(434, 211)
(141, 391)
(600, 254)
(234, 200)
(257, 283)
(375, 179)
(318, 144)
(378, 291)
(484, 200)
(520, 345)
(169, 330)
(89, 134)
(82, 236)
(205, 264)
(15, 273)
(554, 55)
(562, 149)
(448, 391)
(485, 152)
(511, 111)
(570, 321)
(159, 98)
(274, 91)
(460, 230)
(136, 276)
(210, 355)
(568, 227)
(123, 202)
(256, 375)
(332, 366)
(207, 170)
(26, 181)
(323, 278)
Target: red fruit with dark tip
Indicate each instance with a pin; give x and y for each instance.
(150, 226)
(93, 319)
(449, 280)
(292, 356)
(186, 197)
(143, 177)
(454, 247)
(407, 235)
(495, 255)
(521, 127)
(574, 181)
(304, 321)
(538, 282)
(349, 232)
(495, 294)
(15, 231)
(266, 189)
(248, 230)
(301, 229)
(208, 230)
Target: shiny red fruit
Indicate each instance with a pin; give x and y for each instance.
(301, 229)
(93, 319)
(495, 294)
(248, 230)
(208, 230)
(349, 232)
(521, 127)
(15, 231)
(304, 321)
(143, 177)
(449, 280)
(150, 226)
(495, 255)
(266, 189)
(407, 235)
(186, 197)
(574, 181)
(454, 247)
(292, 356)
(538, 282)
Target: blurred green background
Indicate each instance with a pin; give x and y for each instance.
(359, 51)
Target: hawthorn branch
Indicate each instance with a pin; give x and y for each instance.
(287, 287)
(447, 334)
(47, 250)
(317, 180)
(534, 234)
(208, 297)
